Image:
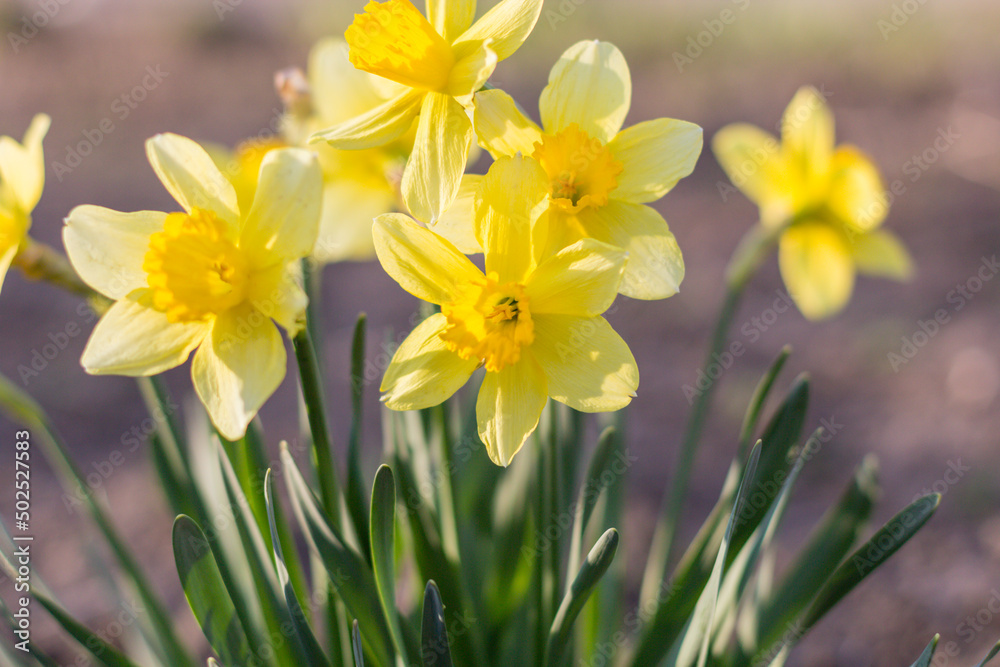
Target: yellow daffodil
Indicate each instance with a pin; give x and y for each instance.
(600, 177)
(211, 278)
(441, 60)
(826, 202)
(22, 178)
(534, 323)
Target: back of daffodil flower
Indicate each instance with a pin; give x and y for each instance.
(532, 321)
(824, 203)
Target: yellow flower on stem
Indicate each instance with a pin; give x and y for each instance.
(22, 178)
(825, 203)
(441, 61)
(213, 278)
(533, 323)
(600, 177)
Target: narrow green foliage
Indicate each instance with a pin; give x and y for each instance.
(434, 645)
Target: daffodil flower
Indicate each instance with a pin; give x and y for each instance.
(22, 178)
(827, 204)
(213, 278)
(533, 323)
(600, 177)
(441, 60)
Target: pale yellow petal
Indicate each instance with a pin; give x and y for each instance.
(277, 293)
(817, 267)
(377, 127)
(655, 266)
(807, 134)
(190, 175)
(655, 155)
(434, 171)
(857, 195)
(501, 127)
(423, 263)
(581, 279)
(423, 372)
(338, 90)
(6, 257)
(284, 221)
(472, 72)
(345, 228)
(507, 25)
(589, 85)
(451, 17)
(513, 194)
(588, 365)
(22, 166)
(107, 248)
(458, 222)
(134, 339)
(508, 408)
(237, 368)
(753, 161)
(880, 253)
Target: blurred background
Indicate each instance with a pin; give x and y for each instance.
(915, 83)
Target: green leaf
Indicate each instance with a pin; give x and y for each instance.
(434, 645)
(356, 645)
(593, 568)
(757, 400)
(590, 492)
(207, 594)
(357, 506)
(990, 655)
(925, 658)
(383, 537)
(303, 633)
(348, 571)
(883, 544)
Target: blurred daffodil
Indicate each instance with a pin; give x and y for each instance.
(22, 178)
(441, 60)
(534, 323)
(600, 177)
(827, 204)
(214, 277)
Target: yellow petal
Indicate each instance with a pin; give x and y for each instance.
(423, 372)
(338, 90)
(501, 127)
(589, 367)
(107, 248)
(237, 368)
(434, 171)
(817, 268)
(591, 86)
(513, 194)
(22, 166)
(509, 406)
(284, 221)
(753, 161)
(345, 228)
(472, 72)
(458, 222)
(507, 24)
(377, 127)
(857, 195)
(6, 257)
(190, 175)
(277, 293)
(807, 131)
(655, 266)
(451, 17)
(581, 279)
(655, 155)
(880, 253)
(423, 263)
(134, 339)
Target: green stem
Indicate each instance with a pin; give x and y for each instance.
(39, 261)
(753, 249)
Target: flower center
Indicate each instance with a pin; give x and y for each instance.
(490, 322)
(194, 269)
(582, 171)
(393, 40)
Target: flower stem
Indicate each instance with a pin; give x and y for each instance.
(39, 261)
(753, 249)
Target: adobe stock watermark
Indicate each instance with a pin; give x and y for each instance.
(56, 342)
(562, 13)
(121, 108)
(632, 622)
(957, 299)
(31, 24)
(697, 44)
(900, 15)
